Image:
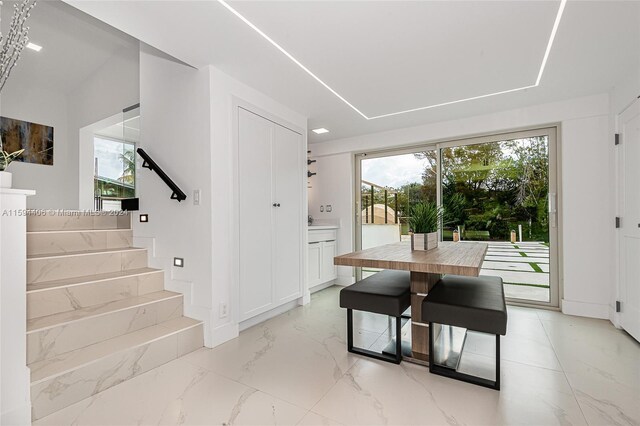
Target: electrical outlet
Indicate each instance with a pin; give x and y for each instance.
(321, 209)
(329, 208)
(223, 310)
(196, 197)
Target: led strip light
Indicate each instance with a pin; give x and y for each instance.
(339, 96)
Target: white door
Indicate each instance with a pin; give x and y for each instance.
(287, 183)
(329, 251)
(315, 260)
(255, 135)
(629, 237)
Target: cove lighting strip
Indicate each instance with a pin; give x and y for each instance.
(556, 24)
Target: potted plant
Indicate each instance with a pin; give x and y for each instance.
(423, 222)
(5, 159)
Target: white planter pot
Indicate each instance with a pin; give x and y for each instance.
(424, 241)
(5, 180)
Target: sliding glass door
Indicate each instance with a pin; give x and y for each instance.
(389, 186)
(498, 189)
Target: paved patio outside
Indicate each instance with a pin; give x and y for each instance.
(524, 268)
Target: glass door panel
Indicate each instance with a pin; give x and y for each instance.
(390, 185)
(498, 192)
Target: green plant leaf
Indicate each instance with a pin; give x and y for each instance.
(425, 217)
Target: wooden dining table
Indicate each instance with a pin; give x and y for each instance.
(426, 268)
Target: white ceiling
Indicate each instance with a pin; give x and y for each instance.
(74, 46)
(385, 56)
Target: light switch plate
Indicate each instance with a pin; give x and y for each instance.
(223, 310)
(196, 197)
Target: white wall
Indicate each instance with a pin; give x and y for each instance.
(334, 184)
(111, 88)
(187, 120)
(226, 92)
(586, 184)
(15, 400)
(175, 132)
(49, 107)
(374, 235)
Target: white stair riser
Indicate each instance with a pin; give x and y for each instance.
(73, 241)
(64, 299)
(59, 392)
(53, 222)
(61, 267)
(50, 342)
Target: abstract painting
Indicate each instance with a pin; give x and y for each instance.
(35, 139)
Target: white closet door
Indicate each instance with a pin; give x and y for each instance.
(255, 135)
(288, 179)
(630, 209)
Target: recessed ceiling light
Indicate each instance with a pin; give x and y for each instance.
(320, 131)
(34, 47)
(315, 77)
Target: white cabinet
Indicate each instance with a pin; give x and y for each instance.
(321, 251)
(270, 185)
(328, 268)
(314, 268)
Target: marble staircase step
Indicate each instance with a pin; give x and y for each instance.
(54, 220)
(69, 294)
(49, 267)
(52, 335)
(53, 242)
(81, 373)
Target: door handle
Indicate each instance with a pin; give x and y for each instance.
(553, 210)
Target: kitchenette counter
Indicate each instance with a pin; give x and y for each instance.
(322, 227)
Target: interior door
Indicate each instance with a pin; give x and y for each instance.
(287, 183)
(255, 135)
(629, 236)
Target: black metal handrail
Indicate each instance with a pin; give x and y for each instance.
(152, 165)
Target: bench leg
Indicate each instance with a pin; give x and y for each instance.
(453, 374)
(396, 359)
(497, 385)
(398, 339)
(350, 330)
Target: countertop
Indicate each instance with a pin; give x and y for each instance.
(322, 227)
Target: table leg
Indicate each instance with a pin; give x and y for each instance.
(421, 284)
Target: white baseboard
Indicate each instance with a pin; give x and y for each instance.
(344, 280)
(322, 286)
(614, 317)
(267, 315)
(223, 333)
(20, 416)
(305, 299)
(584, 309)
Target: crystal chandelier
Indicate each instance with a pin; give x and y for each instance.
(12, 44)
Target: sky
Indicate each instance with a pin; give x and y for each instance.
(393, 171)
(108, 154)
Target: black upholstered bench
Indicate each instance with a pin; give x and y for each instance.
(473, 303)
(387, 292)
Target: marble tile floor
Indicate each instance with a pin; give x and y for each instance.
(294, 369)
